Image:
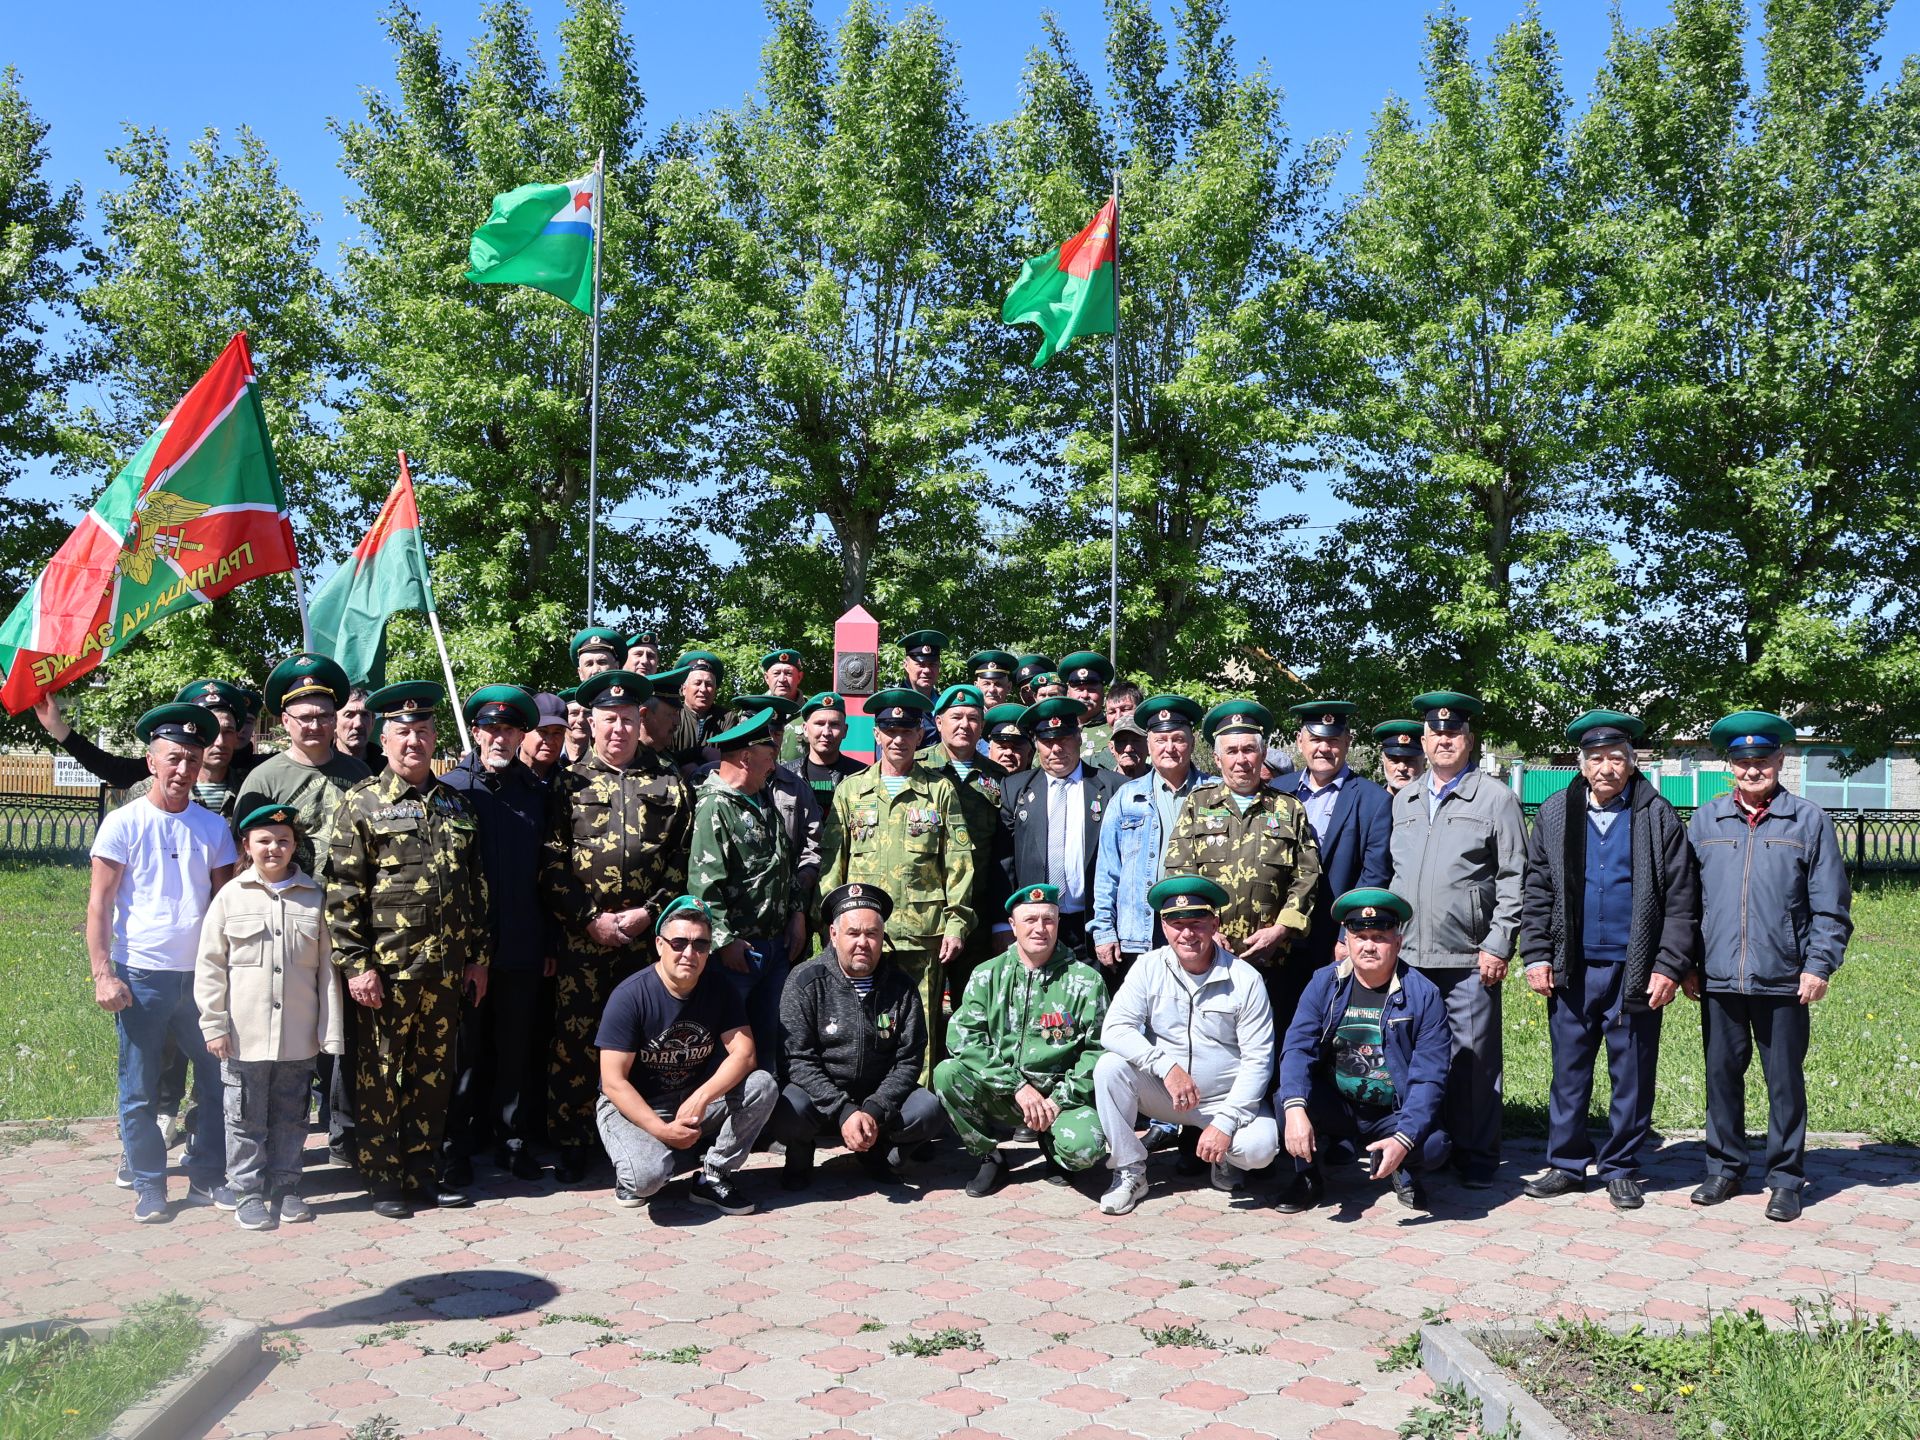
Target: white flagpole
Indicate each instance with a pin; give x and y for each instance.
(300, 595)
(593, 402)
(1113, 553)
(440, 640)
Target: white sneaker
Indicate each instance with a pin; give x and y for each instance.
(1128, 1189)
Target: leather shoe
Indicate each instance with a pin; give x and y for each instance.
(989, 1177)
(521, 1163)
(392, 1207)
(1715, 1189)
(1555, 1182)
(448, 1198)
(1189, 1162)
(1306, 1191)
(457, 1173)
(1408, 1190)
(571, 1167)
(1783, 1204)
(1624, 1192)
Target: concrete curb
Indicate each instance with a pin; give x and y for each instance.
(184, 1405)
(1452, 1357)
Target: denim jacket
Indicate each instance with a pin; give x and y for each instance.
(1774, 898)
(1130, 849)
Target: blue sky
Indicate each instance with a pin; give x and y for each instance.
(286, 69)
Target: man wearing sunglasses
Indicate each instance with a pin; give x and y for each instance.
(677, 1072)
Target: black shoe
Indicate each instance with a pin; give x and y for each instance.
(1624, 1192)
(924, 1151)
(457, 1173)
(1555, 1182)
(1716, 1189)
(1189, 1162)
(1478, 1175)
(392, 1207)
(989, 1177)
(882, 1165)
(1783, 1204)
(1162, 1134)
(1054, 1173)
(521, 1163)
(722, 1193)
(797, 1173)
(448, 1198)
(1408, 1190)
(1306, 1191)
(571, 1167)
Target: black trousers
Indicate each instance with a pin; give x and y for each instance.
(498, 1055)
(1732, 1027)
(1336, 1119)
(797, 1121)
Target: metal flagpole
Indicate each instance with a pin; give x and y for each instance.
(593, 402)
(1113, 556)
(300, 596)
(440, 640)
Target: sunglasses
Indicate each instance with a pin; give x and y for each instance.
(699, 944)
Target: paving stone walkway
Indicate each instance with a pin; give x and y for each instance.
(541, 1312)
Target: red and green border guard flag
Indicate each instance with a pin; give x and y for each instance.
(198, 510)
(1069, 291)
(387, 571)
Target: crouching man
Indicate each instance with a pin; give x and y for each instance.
(1189, 1039)
(1022, 1049)
(1365, 1060)
(855, 1037)
(677, 1071)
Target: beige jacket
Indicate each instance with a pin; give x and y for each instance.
(265, 974)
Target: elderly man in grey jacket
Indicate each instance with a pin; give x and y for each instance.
(1188, 1039)
(1459, 852)
(1776, 914)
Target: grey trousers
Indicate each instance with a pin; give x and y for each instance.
(643, 1164)
(266, 1111)
(1476, 1077)
(1122, 1094)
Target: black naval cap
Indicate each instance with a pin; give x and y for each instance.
(859, 896)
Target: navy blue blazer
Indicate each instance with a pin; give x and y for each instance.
(1358, 850)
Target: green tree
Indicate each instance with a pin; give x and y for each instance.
(835, 243)
(1219, 358)
(1764, 350)
(485, 387)
(1462, 425)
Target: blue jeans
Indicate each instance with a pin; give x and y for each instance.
(759, 987)
(163, 1006)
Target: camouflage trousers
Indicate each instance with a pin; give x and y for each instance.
(922, 965)
(403, 1080)
(983, 1116)
(582, 983)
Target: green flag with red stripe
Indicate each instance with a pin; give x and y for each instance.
(1069, 291)
(387, 571)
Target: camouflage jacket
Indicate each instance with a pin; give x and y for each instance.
(915, 845)
(406, 894)
(979, 793)
(1041, 1027)
(741, 864)
(1266, 860)
(1096, 746)
(617, 838)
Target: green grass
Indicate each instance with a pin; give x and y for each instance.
(1863, 1072)
(71, 1386)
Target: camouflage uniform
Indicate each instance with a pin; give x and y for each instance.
(1017, 1026)
(980, 805)
(406, 897)
(917, 847)
(616, 839)
(1268, 863)
(1096, 746)
(740, 864)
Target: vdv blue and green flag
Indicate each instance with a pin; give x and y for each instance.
(543, 236)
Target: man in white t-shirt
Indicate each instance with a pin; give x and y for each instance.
(157, 862)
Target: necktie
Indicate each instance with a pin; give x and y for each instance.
(1057, 833)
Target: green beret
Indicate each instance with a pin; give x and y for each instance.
(684, 905)
(645, 637)
(570, 695)
(1186, 895)
(1448, 709)
(1598, 729)
(1085, 665)
(597, 637)
(1060, 715)
(1327, 719)
(992, 662)
(1033, 895)
(825, 700)
(1236, 717)
(502, 705)
(1371, 909)
(407, 700)
(920, 642)
(304, 675)
(783, 709)
(1167, 712)
(666, 685)
(841, 899)
(1004, 717)
(960, 695)
(898, 707)
(614, 687)
(269, 814)
(1751, 732)
(758, 728)
(781, 657)
(192, 725)
(215, 695)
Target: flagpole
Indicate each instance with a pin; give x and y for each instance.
(440, 640)
(1113, 545)
(593, 402)
(300, 596)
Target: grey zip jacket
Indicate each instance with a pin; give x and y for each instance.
(1217, 1026)
(1774, 898)
(1462, 871)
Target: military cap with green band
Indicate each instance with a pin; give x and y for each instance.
(215, 695)
(1161, 713)
(1060, 715)
(1179, 895)
(1327, 719)
(614, 687)
(1400, 738)
(665, 685)
(304, 675)
(644, 637)
(1085, 665)
(783, 709)
(992, 662)
(191, 725)
(702, 660)
(923, 642)
(1603, 729)
(1751, 733)
(1448, 709)
(898, 708)
(1030, 666)
(1371, 908)
(502, 705)
(407, 700)
(758, 728)
(597, 637)
(1003, 721)
(1236, 717)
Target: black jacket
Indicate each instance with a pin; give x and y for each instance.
(1023, 827)
(1664, 933)
(513, 809)
(850, 1052)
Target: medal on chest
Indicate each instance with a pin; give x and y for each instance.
(1056, 1028)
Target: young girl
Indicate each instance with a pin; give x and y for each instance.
(269, 1002)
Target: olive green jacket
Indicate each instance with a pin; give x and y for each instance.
(916, 846)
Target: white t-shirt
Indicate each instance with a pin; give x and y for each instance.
(168, 883)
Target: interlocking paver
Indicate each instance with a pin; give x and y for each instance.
(778, 1326)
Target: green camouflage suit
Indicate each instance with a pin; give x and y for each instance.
(980, 805)
(917, 847)
(617, 839)
(406, 897)
(740, 864)
(1018, 1026)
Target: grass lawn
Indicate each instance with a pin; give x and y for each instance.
(69, 1386)
(57, 1050)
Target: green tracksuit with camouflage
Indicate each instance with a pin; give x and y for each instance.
(617, 839)
(741, 864)
(407, 899)
(1016, 1026)
(979, 792)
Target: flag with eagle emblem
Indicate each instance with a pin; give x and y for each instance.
(198, 510)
